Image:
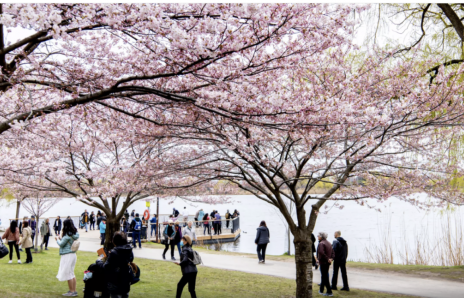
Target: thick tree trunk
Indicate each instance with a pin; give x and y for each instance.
(112, 225)
(18, 206)
(304, 271)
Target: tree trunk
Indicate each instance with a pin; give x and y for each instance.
(304, 271)
(112, 225)
(18, 206)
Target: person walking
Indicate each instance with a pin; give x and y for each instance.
(26, 241)
(206, 224)
(45, 233)
(86, 221)
(190, 231)
(340, 247)
(188, 268)
(57, 226)
(196, 217)
(313, 249)
(33, 227)
(124, 225)
(228, 217)
(117, 267)
(262, 239)
(169, 234)
(153, 225)
(92, 221)
(12, 236)
(68, 257)
(325, 256)
(218, 222)
(136, 228)
(99, 216)
(102, 230)
(178, 236)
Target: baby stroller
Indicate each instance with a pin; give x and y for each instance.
(95, 282)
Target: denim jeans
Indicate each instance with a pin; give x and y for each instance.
(86, 225)
(153, 228)
(206, 226)
(136, 237)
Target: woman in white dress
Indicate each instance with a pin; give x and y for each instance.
(68, 257)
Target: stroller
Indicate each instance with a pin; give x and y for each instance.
(96, 285)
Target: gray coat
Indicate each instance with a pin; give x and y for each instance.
(262, 236)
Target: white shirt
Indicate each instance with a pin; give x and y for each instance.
(185, 213)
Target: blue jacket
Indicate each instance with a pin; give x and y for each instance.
(102, 227)
(153, 221)
(66, 242)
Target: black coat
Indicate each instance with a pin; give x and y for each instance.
(313, 240)
(92, 218)
(340, 248)
(57, 225)
(262, 235)
(117, 269)
(186, 257)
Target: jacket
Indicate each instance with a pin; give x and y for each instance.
(190, 232)
(169, 232)
(102, 227)
(117, 269)
(262, 235)
(201, 214)
(218, 218)
(132, 225)
(178, 236)
(153, 221)
(10, 236)
(325, 252)
(57, 225)
(340, 247)
(186, 265)
(44, 229)
(92, 218)
(33, 225)
(26, 240)
(66, 242)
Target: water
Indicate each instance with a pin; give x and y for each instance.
(360, 226)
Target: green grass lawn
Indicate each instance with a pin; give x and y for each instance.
(158, 279)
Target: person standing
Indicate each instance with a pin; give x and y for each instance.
(99, 215)
(21, 230)
(92, 221)
(201, 214)
(86, 220)
(126, 215)
(57, 226)
(26, 241)
(102, 230)
(325, 256)
(188, 268)
(340, 247)
(313, 249)
(33, 227)
(178, 236)
(153, 225)
(196, 218)
(45, 233)
(175, 212)
(185, 215)
(132, 216)
(190, 231)
(68, 257)
(228, 217)
(12, 236)
(169, 234)
(218, 222)
(136, 227)
(262, 239)
(117, 267)
(206, 224)
(124, 225)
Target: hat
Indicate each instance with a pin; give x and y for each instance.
(171, 222)
(177, 223)
(188, 239)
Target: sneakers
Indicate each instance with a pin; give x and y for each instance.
(328, 295)
(10, 262)
(68, 294)
(173, 258)
(19, 261)
(74, 294)
(345, 289)
(260, 262)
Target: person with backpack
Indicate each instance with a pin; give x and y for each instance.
(136, 227)
(45, 233)
(188, 267)
(262, 239)
(12, 236)
(102, 231)
(68, 256)
(169, 234)
(26, 241)
(117, 267)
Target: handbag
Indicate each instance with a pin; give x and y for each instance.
(165, 241)
(3, 249)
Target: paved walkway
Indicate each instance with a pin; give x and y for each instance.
(369, 280)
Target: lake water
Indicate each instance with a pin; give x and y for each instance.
(360, 226)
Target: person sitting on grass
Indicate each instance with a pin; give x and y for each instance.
(68, 257)
(117, 266)
(189, 270)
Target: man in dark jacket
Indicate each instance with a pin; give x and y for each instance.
(340, 248)
(117, 267)
(325, 256)
(136, 228)
(33, 225)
